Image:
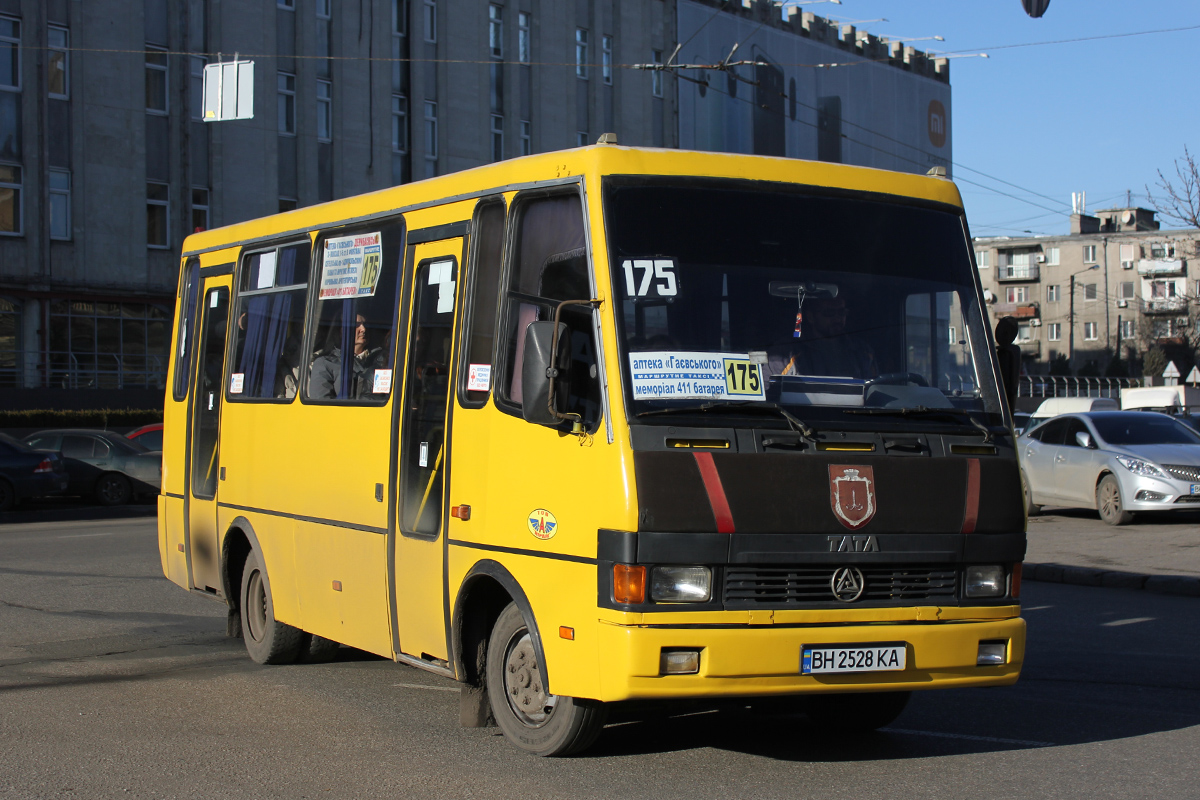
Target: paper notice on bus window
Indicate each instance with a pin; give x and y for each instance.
(236, 382)
(266, 271)
(382, 383)
(666, 375)
(350, 266)
(479, 377)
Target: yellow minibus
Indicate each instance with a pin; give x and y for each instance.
(604, 426)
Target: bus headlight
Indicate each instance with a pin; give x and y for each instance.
(984, 582)
(681, 584)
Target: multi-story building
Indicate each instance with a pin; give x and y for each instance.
(106, 162)
(1116, 286)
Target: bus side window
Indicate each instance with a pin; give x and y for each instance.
(270, 323)
(187, 326)
(350, 359)
(475, 380)
(549, 264)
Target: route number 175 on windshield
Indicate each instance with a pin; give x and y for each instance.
(658, 273)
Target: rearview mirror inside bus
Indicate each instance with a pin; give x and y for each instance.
(536, 374)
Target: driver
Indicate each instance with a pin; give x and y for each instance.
(824, 347)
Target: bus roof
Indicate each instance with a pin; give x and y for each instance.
(561, 165)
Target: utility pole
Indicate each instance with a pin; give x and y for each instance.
(1071, 317)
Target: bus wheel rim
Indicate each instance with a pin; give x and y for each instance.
(256, 611)
(523, 685)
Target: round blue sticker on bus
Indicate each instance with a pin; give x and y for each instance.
(542, 523)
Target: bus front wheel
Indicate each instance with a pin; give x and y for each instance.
(532, 719)
(268, 640)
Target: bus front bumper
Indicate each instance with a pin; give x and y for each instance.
(756, 661)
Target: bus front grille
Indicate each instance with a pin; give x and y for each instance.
(812, 585)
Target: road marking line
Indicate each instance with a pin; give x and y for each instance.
(82, 535)
(1035, 608)
(1130, 621)
(966, 736)
(426, 686)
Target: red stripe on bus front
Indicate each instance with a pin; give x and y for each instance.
(716, 492)
(971, 516)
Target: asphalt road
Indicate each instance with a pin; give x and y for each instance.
(1162, 543)
(116, 683)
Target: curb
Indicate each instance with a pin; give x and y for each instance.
(1183, 585)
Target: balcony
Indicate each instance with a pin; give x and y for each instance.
(1026, 311)
(1033, 348)
(1160, 266)
(1166, 305)
(1018, 272)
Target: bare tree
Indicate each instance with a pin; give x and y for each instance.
(1180, 199)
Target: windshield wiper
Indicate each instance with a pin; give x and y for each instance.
(925, 411)
(741, 407)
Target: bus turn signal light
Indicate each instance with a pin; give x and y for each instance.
(629, 584)
(461, 512)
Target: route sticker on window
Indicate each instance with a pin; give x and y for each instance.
(479, 377)
(236, 382)
(666, 375)
(351, 265)
(650, 277)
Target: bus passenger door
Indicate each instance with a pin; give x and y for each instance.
(423, 466)
(204, 438)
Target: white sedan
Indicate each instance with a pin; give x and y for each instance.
(1117, 462)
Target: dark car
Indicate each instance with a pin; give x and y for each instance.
(25, 473)
(148, 436)
(102, 464)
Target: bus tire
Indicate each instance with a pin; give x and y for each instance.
(268, 641)
(317, 649)
(538, 723)
(855, 713)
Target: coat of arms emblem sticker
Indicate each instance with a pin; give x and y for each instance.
(852, 494)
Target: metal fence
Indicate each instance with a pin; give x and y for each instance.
(1068, 386)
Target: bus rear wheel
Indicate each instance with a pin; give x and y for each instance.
(268, 641)
(532, 719)
(855, 713)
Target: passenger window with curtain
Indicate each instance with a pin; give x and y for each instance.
(549, 264)
(354, 313)
(269, 325)
(475, 381)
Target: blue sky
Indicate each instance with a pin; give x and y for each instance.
(1096, 116)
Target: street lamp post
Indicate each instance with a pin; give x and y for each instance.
(1071, 317)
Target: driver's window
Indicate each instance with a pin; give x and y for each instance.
(1053, 432)
(937, 344)
(1074, 426)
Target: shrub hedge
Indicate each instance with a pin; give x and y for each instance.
(97, 418)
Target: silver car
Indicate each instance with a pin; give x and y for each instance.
(1116, 462)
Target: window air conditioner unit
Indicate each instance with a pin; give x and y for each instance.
(1126, 265)
(1122, 304)
(1035, 323)
(1041, 258)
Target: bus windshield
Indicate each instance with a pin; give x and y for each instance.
(731, 294)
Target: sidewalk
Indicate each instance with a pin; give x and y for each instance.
(1159, 553)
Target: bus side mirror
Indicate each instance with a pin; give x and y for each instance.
(537, 372)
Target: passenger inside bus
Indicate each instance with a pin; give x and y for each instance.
(825, 345)
(328, 373)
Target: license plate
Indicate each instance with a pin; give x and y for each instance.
(1196, 488)
(816, 659)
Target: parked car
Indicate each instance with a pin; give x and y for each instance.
(26, 474)
(148, 436)
(1021, 421)
(1054, 406)
(102, 464)
(1117, 462)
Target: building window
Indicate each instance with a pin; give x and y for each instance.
(200, 206)
(526, 138)
(953, 338)
(983, 259)
(197, 87)
(431, 135)
(1054, 331)
(59, 186)
(287, 103)
(496, 30)
(524, 37)
(1128, 255)
(1125, 290)
(10, 343)
(288, 204)
(108, 345)
(430, 20)
(1089, 254)
(497, 137)
(1052, 293)
(10, 199)
(1161, 290)
(1126, 329)
(581, 53)
(581, 138)
(1089, 331)
(399, 17)
(1089, 291)
(10, 54)
(1018, 294)
(1024, 333)
(399, 123)
(157, 215)
(290, 5)
(656, 77)
(606, 59)
(324, 9)
(1051, 254)
(156, 80)
(58, 78)
(324, 111)
(1158, 251)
